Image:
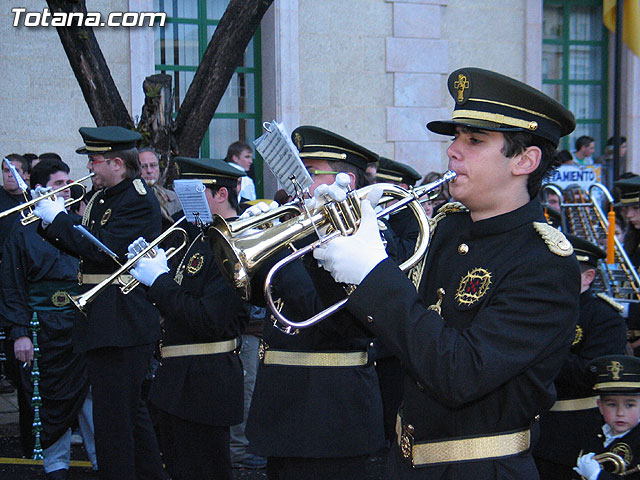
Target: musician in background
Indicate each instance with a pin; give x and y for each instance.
(198, 389)
(36, 277)
(316, 410)
(628, 194)
(120, 331)
(12, 195)
(600, 331)
(484, 335)
(616, 379)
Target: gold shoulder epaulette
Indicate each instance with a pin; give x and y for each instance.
(139, 186)
(450, 207)
(554, 239)
(618, 306)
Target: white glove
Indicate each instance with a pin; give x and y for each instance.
(326, 193)
(258, 208)
(350, 259)
(40, 191)
(148, 269)
(588, 467)
(48, 210)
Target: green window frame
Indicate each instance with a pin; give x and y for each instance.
(575, 65)
(179, 48)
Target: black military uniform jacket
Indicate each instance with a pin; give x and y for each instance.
(205, 389)
(487, 362)
(315, 411)
(116, 216)
(600, 331)
(627, 447)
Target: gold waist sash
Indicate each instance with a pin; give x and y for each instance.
(575, 404)
(199, 349)
(314, 359)
(451, 451)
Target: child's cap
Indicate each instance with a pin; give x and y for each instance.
(616, 375)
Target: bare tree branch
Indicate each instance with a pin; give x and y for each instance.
(224, 53)
(90, 68)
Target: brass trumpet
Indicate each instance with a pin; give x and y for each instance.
(29, 217)
(240, 252)
(84, 299)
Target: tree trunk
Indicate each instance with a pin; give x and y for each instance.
(224, 53)
(90, 68)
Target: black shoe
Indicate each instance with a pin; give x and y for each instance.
(62, 474)
(251, 462)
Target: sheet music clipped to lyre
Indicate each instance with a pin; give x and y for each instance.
(281, 155)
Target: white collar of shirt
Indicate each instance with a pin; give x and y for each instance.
(608, 435)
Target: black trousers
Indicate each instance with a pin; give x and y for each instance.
(554, 471)
(193, 450)
(291, 468)
(126, 444)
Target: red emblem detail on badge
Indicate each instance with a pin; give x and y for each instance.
(473, 286)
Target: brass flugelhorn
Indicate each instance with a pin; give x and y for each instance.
(29, 217)
(618, 465)
(240, 251)
(84, 299)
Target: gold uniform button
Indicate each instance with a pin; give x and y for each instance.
(463, 249)
(371, 344)
(101, 201)
(369, 318)
(410, 429)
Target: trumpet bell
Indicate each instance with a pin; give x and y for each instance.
(240, 252)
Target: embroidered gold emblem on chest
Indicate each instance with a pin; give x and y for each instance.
(473, 286)
(578, 336)
(195, 263)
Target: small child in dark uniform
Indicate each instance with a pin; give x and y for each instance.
(617, 380)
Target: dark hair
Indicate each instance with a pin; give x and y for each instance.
(30, 157)
(563, 156)
(612, 139)
(49, 156)
(236, 148)
(362, 179)
(231, 187)
(517, 142)
(130, 159)
(43, 170)
(584, 141)
(24, 163)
